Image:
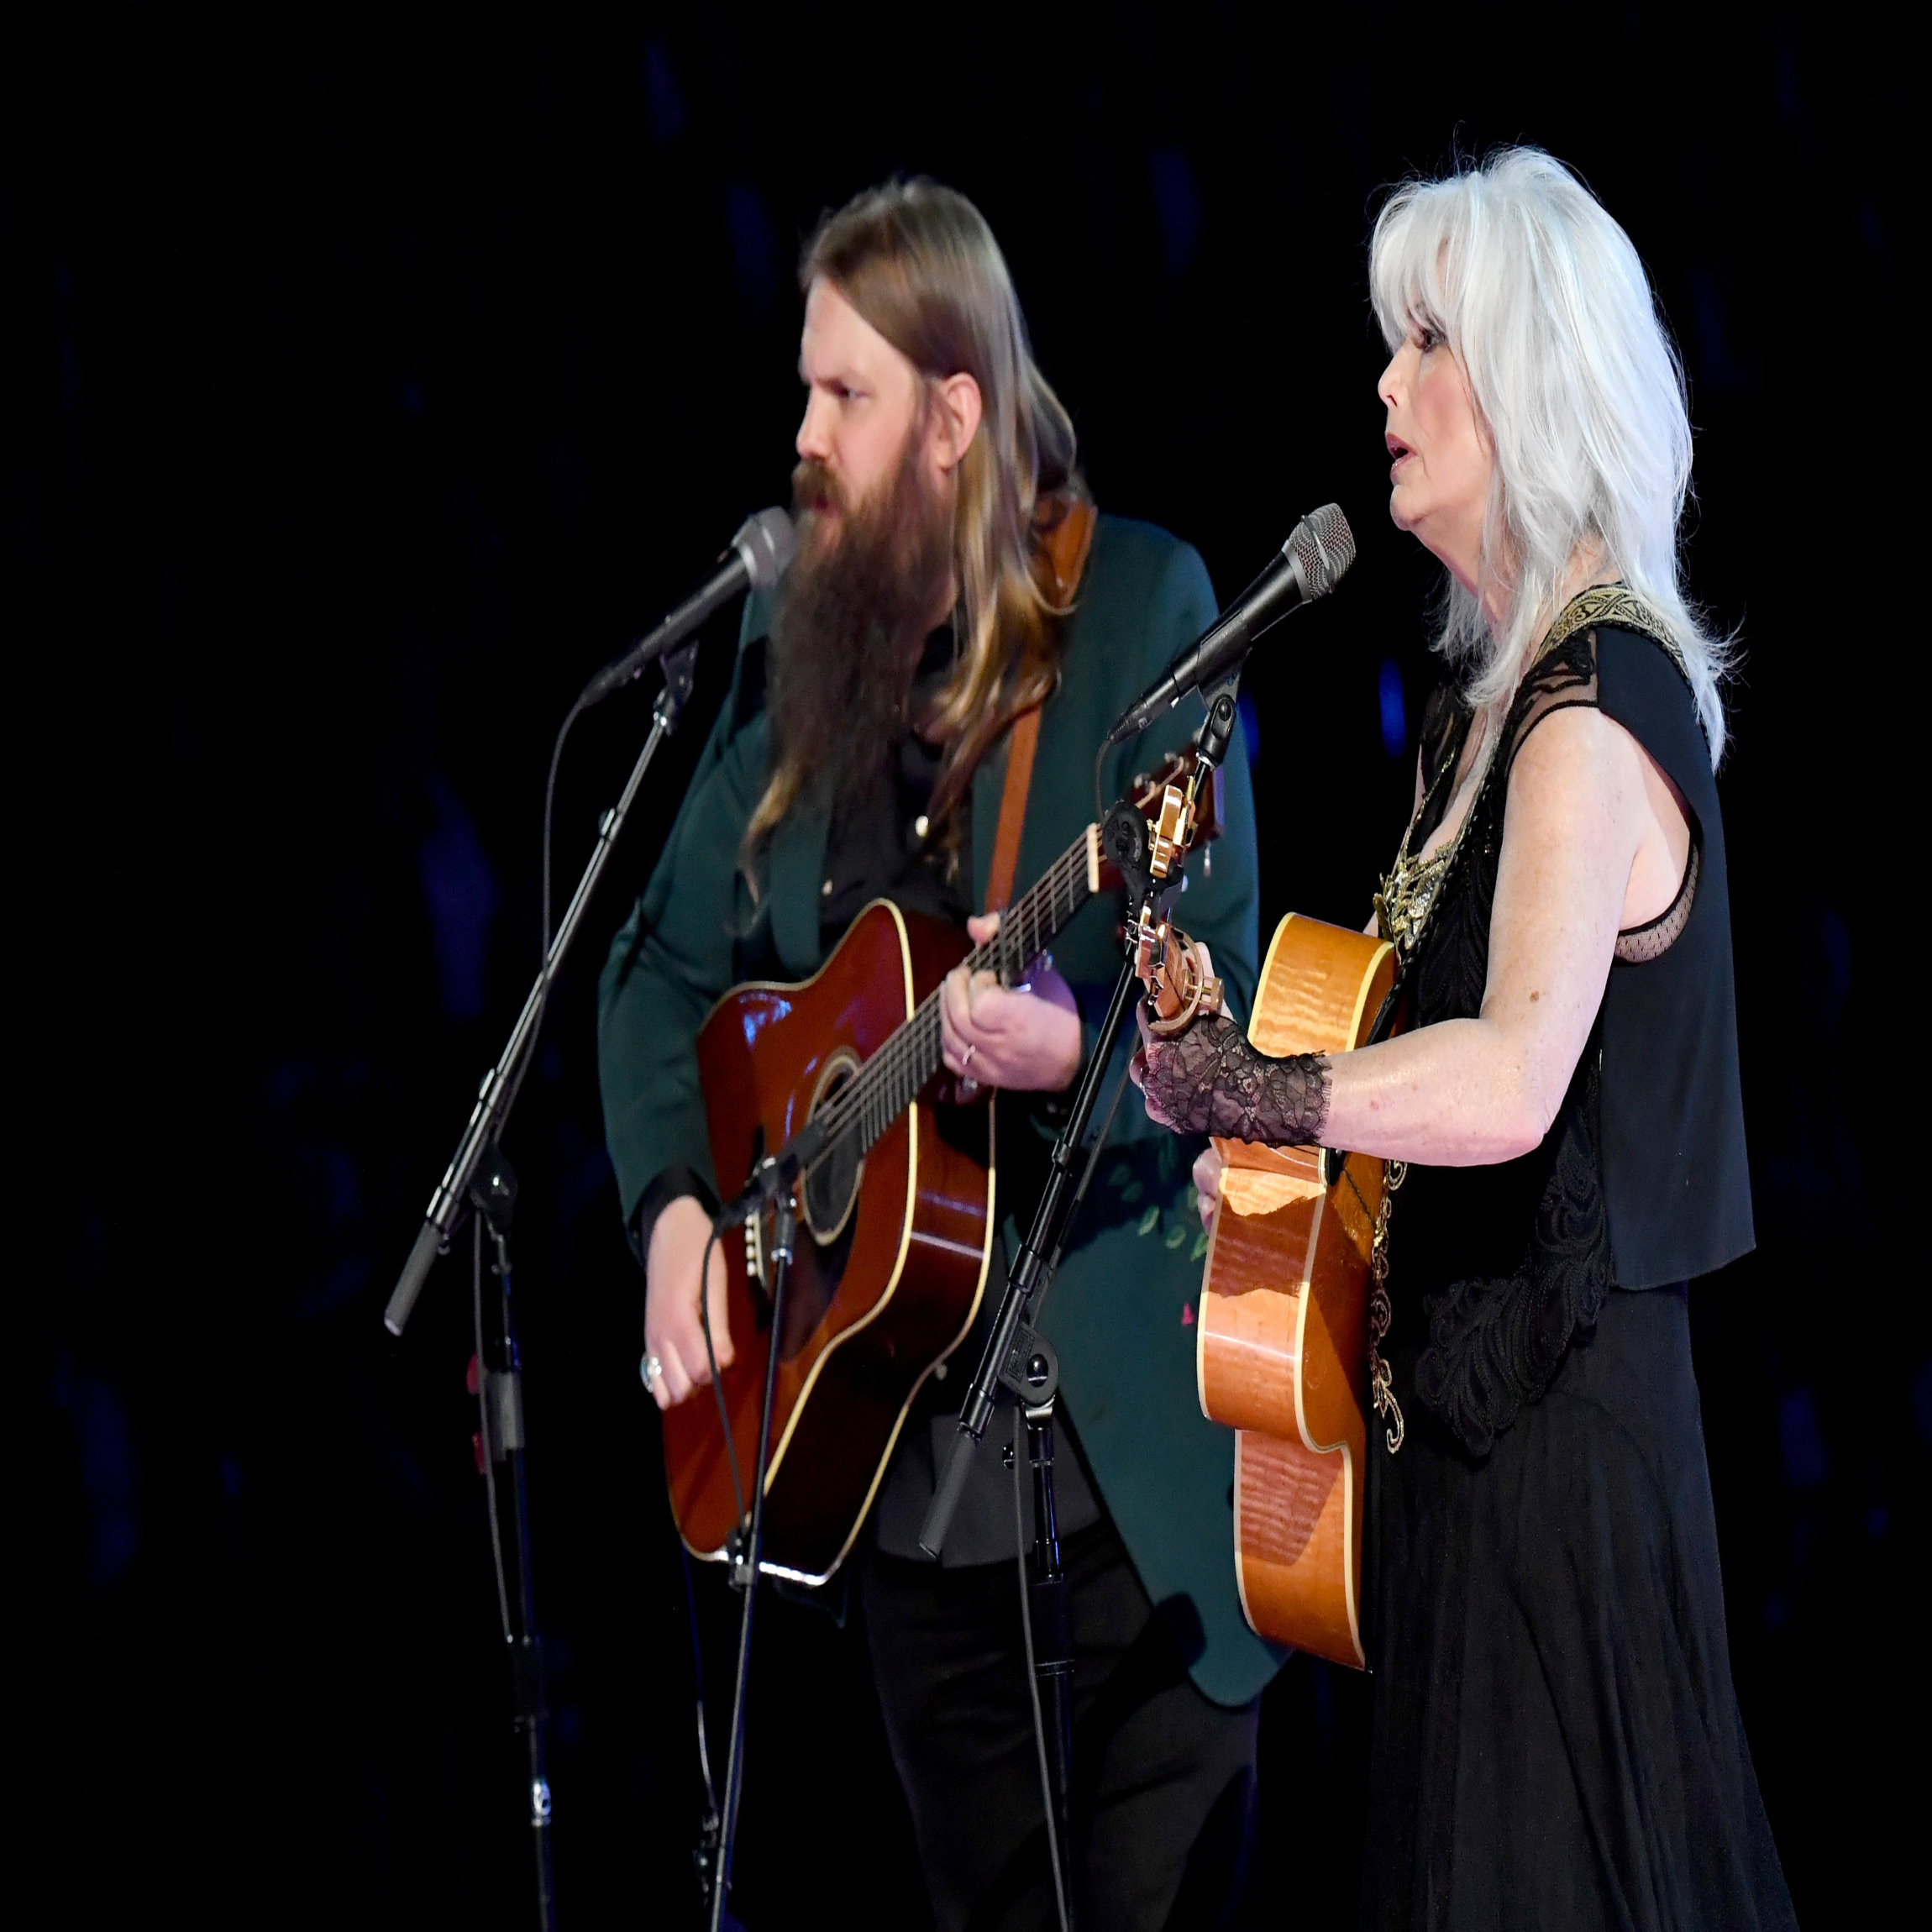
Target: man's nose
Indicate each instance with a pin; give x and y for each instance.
(814, 440)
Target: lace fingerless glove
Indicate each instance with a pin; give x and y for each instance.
(1209, 1080)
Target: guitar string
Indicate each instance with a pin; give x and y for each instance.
(910, 1053)
(881, 1091)
(888, 1082)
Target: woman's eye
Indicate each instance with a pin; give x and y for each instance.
(1427, 338)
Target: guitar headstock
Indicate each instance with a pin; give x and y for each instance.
(1161, 797)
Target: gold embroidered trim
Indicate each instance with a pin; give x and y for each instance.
(1381, 1310)
(1606, 604)
(1410, 885)
(1408, 895)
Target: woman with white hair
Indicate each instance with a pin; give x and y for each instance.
(1556, 1738)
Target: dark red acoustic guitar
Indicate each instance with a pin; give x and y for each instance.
(896, 1218)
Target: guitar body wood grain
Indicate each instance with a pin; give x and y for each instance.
(1282, 1337)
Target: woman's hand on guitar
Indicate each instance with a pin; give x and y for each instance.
(1026, 1038)
(672, 1332)
(1208, 1165)
(1209, 1080)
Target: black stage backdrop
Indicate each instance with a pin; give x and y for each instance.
(365, 387)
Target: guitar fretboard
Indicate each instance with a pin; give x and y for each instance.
(885, 1086)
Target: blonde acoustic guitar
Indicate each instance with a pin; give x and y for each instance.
(1282, 1337)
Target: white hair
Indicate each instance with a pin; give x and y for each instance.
(1544, 304)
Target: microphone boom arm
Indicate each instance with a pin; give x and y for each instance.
(491, 1111)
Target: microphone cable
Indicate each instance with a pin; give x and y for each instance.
(717, 1386)
(1033, 1684)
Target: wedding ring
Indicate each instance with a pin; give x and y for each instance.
(650, 1368)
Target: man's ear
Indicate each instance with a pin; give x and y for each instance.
(957, 407)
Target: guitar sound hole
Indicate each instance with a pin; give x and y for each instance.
(828, 1201)
(832, 1187)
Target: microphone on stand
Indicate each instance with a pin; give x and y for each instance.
(772, 1176)
(754, 560)
(1310, 565)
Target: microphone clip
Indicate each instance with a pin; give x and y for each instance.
(771, 1180)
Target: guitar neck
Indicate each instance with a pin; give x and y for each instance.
(888, 1083)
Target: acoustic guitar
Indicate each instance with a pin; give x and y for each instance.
(897, 1216)
(1282, 1346)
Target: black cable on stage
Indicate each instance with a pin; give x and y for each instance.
(570, 717)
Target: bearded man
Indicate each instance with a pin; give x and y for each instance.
(943, 592)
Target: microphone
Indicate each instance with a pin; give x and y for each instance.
(1310, 565)
(772, 1176)
(754, 560)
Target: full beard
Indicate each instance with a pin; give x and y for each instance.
(852, 615)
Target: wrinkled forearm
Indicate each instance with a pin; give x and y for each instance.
(1461, 1093)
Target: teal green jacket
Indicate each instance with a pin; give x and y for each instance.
(1120, 1312)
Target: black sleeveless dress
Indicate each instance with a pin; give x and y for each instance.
(1556, 1739)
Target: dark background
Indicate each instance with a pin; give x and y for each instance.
(365, 388)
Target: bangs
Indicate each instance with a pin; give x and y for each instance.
(1413, 260)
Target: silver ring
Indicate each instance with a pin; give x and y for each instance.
(650, 1368)
(966, 1058)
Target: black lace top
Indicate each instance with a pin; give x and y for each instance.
(1642, 1180)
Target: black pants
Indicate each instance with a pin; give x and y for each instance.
(1164, 1799)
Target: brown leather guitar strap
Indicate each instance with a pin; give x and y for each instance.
(1064, 551)
(1021, 743)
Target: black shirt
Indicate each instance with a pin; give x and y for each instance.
(882, 845)
(1642, 1180)
(1676, 1180)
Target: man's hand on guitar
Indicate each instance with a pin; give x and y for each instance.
(672, 1332)
(1028, 1038)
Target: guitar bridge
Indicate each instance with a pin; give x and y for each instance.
(757, 1268)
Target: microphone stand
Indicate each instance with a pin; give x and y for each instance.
(1018, 1359)
(478, 1176)
(499, 1090)
(746, 1556)
(499, 1397)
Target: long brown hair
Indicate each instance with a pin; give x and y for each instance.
(919, 262)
